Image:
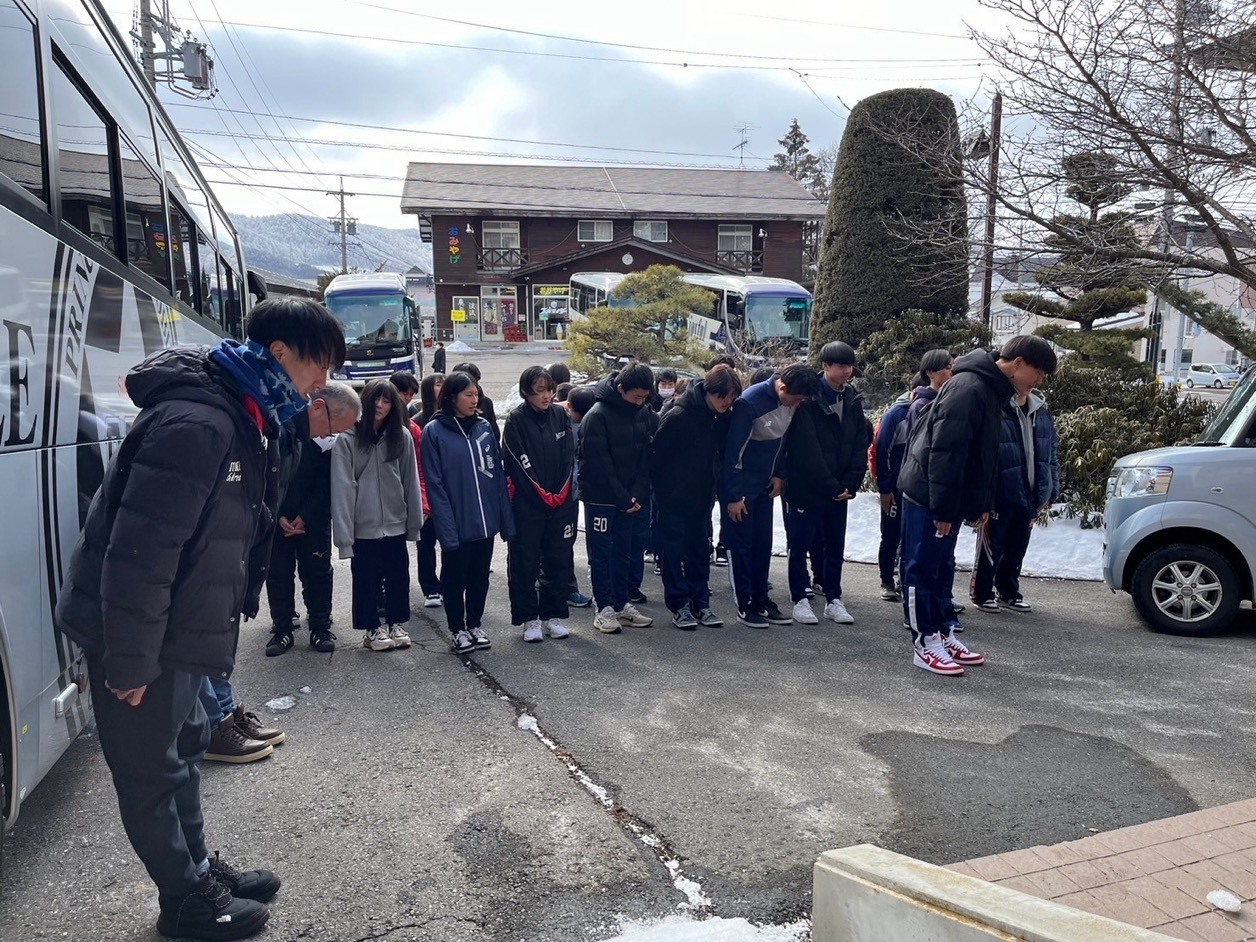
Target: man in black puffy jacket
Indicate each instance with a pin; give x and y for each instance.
(685, 459)
(614, 455)
(948, 477)
(174, 548)
(826, 452)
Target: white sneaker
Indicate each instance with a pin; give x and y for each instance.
(803, 613)
(377, 640)
(555, 629)
(532, 632)
(631, 618)
(606, 621)
(433, 601)
(397, 635)
(836, 611)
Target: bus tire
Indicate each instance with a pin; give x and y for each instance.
(1186, 589)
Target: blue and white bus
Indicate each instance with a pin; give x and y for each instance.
(381, 322)
(111, 247)
(750, 316)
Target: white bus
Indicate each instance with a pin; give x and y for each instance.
(749, 315)
(111, 247)
(381, 322)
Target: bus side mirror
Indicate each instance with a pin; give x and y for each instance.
(257, 287)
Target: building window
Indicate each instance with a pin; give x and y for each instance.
(500, 246)
(465, 317)
(595, 230)
(550, 311)
(651, 230)
(1005, 323)
(499, 313)
(734, 247)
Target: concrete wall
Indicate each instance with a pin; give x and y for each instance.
(867, 894)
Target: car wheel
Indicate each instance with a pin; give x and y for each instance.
(1185, 589)
(1190, 384)
(1217, 384)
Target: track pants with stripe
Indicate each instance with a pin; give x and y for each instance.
(750, 550)
(608, 533)
(927, 571)
(1001, 546)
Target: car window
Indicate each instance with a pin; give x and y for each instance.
(1203, 368)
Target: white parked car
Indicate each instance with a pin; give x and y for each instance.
(1216, 375)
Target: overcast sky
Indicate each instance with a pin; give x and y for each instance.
(469, 85)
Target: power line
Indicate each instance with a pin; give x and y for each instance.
(875, 29)
(608, 43)
(551, 55)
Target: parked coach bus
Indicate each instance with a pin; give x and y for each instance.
(749, 315)
(381, 322)
(111, 247)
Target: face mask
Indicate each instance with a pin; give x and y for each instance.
(666, 393)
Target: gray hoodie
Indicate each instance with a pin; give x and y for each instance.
(372, 497)
(1025, 418)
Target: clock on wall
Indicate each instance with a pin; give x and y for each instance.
(627, 259)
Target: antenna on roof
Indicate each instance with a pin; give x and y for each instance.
(743, 130)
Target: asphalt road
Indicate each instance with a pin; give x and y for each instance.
(413, 800)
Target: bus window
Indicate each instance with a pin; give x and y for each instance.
(181, 253)
(232, 318)
(181, 181)
(21, 146)
(145, 245)
(83, 163)
(209, 297)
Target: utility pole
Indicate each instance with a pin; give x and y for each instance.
(987, 274)
(344, 225)
(146, 43)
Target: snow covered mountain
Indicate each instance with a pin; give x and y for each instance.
(305, 246)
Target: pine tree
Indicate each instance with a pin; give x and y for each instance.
(795, 158)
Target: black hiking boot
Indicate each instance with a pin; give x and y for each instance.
(259, 885)
(209, 911)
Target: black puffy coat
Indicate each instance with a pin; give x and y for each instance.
(177, 539)
(614, 449)
(687, 452)
(539, 449)
(305, 489)
(826, 453)
(952, 454)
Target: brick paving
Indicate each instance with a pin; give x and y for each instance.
(1155, 875)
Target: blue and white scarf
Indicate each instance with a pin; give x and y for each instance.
(259, 375)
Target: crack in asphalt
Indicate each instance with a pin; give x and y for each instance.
(631, 824)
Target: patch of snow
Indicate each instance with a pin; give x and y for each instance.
(280, 704)
(459, 347)
(306, 690)
(1225, 900)
(715, 929)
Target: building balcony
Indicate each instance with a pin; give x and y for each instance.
(742, 260)
(501, 259)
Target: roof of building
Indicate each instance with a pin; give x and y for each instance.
(600, 192)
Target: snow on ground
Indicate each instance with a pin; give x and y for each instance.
(1060, 550)
(459, 347)
(715, 929)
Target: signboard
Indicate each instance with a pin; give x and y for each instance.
(458, 317)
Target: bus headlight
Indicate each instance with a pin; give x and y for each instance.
(340, 374)
(1142, 482)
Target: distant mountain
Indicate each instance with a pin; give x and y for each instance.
(302, 246)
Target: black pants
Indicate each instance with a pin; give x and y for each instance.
(381, 565)
(891, 537)
(684, 537)
(310, 556)
(608, 533)
(464, 583)
(804, 528)
(1001, 546)
(541, 550)
(429, 579)
(154, 752)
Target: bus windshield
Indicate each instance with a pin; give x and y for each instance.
(777, 318)
(371, 317)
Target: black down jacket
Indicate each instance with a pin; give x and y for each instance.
(687, 452)
(177, 539)
(615, 449)
(952, 454)
(826, 453)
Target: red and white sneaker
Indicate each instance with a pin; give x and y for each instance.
(959, 652)
(933, 657)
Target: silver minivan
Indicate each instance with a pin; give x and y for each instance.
(1180, 524)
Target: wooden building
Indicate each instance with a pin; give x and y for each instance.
(507, 238)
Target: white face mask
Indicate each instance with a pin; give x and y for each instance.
(324, 444)
(666, 393)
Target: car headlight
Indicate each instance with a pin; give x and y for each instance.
(340, 374)
(1142, 482)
